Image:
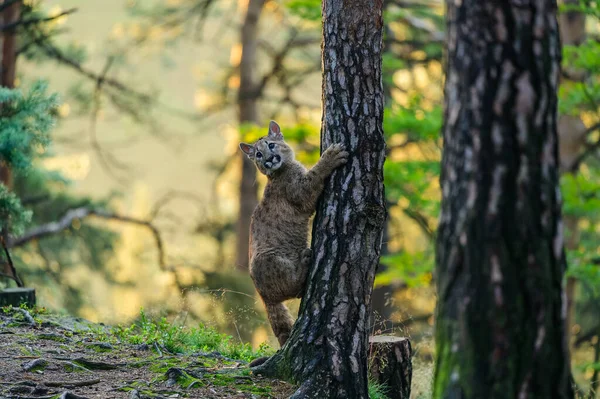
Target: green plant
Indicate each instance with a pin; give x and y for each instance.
(27, 118)
(178, 339)
(377, 390)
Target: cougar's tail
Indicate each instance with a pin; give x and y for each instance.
(281, 321)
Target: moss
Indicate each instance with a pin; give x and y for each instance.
(52, 337)
(164, 364)
(447, 361)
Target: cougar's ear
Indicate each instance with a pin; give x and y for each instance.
(248, 150)
(275, 131)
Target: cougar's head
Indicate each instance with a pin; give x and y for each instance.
(270, 152)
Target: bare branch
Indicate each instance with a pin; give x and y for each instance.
(170, 196)
(419, 24)
(589, 150)
(65, 222)
(404, 144)
(9, 277)
(31, 21)
(421, 221)
(56, 54)
(9, 266)
(278, 60)
(107, 161)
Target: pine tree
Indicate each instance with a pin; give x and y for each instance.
(327, 350)
(500, 258)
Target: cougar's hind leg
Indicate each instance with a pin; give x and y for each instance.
(281, 321)
(278, 278)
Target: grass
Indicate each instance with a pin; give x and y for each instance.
(159, 333)
(172, 358)
(216, 350)
(177, 339)
(377, 390)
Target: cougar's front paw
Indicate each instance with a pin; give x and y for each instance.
(336, 155)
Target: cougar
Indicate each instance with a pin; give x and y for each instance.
(279, 250)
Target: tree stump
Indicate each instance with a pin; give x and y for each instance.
(390, 364)
(17, 296)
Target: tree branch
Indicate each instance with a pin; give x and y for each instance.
(65, 222)
(31, 21)
(591, 148)
(421, 221)
(56, 54)
(10, 267)
(419, 24)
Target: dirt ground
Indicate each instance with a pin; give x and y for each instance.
(61, 358)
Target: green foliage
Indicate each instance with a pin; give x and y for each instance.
(588, 7)
(412, 180)
(579, 96)
(581, 193)
(27, 119)
(377, 390)
(26, 122)
(306, 9)
(44, 262)
(13, 217)
(584, 56)
(412, 268)
(414, 121)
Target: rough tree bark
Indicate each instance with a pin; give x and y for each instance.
(248, 113)
(327, 350)
(500, 258)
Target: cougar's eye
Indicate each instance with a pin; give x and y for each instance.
(259, 154)
(271, 146)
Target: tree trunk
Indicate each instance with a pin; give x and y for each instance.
(500, 257)
(7, 79)
(248, 113)
(8, 69)
(327, 350)
(9, 46)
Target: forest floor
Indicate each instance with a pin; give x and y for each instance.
(50, 356)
